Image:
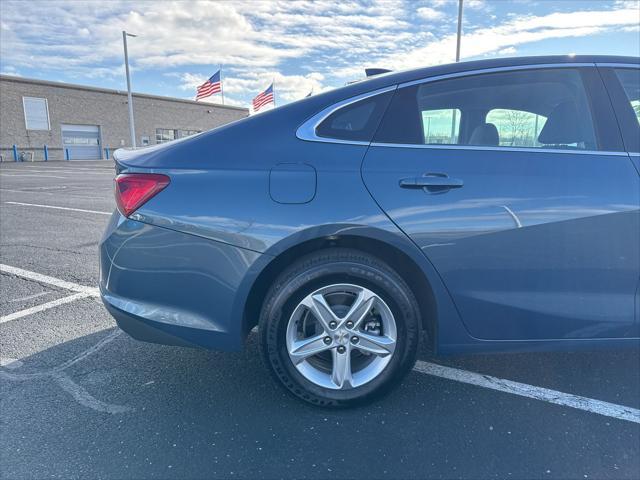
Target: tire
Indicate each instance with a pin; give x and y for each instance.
(294, 321)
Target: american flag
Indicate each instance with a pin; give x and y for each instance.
(210, 87)
(263, 99)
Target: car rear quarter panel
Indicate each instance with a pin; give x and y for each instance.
(230, 203)
(220, 193)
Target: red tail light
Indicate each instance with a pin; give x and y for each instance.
(135, 189)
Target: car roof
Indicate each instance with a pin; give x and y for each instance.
(395, 78)
(415, 74)
(298, 111)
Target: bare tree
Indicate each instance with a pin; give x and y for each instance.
(519, 128)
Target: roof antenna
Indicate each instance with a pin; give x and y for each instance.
(372, 72)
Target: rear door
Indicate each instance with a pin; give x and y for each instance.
(623, 86)
(515, 185)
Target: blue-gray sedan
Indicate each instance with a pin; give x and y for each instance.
(486, 206)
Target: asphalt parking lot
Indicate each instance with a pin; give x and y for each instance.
(80, 399)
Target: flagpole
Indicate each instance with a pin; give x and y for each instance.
(221, 85)
(458, 40)
(132, 126)
(273, 87)
(459, 33)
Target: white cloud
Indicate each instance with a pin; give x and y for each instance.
(474, 4)
(428, 13)
(189, 81)
(481, 41)
(303, 44)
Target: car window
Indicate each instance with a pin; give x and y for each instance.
(630, 80)
(545, 108)
(357, 121)
(517, 128)
(441, 125)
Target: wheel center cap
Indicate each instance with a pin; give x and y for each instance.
(342, 337)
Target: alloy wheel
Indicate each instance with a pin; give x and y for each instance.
(341, 336)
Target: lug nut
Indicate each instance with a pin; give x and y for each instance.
(327, 340)
(341, 349)
(349, 324)
(332, 324)
(354, 340)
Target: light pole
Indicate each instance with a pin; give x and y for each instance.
(132, 127)
(459, 30)
(458, 38)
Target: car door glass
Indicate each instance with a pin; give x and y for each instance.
(495, 110)
(517, 128)
(630, 80)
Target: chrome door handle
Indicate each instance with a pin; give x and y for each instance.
(436, 181)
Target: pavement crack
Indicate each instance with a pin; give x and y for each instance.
(46, 286)
(42, 247)
(79, 393)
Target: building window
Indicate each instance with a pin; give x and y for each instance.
(36, 113)
(166, 135)
(187, 133)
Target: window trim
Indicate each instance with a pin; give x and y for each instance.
(306, 131)
(469, 73)
(500, 149)
(625, 116)
(24, 111)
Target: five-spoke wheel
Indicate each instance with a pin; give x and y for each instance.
(341, 336)
(339, 327)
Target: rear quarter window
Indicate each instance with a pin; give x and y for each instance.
(357, 121)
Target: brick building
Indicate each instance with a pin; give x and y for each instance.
(80, 122)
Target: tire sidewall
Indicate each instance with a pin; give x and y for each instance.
(286, 296)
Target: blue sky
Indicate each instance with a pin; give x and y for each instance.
(303, 45)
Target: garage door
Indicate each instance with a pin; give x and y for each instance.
(82, 142)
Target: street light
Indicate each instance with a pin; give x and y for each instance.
(132, 127)
(459, 30)
(458, 38)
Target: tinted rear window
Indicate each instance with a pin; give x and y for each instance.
(357, 121)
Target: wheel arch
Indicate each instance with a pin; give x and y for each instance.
(388, 247)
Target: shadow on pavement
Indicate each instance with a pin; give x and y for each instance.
(199, 414)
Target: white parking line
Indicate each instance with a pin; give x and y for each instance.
(538, 393)
(58, 208)
(30, 175)
(586, 404)
(67, 194)
(56, 282)
(29, 297)
(43, 307)
(27, 171)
